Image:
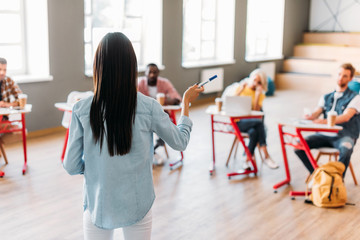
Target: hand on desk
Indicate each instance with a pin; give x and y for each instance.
(320, 121)
(6, 104)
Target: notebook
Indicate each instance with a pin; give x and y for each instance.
(237, 105)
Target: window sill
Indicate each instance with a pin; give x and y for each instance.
(206, 63)
(32, 78)
(262, 59)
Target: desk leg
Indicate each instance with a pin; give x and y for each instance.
(24, 142)
(212, 166)
(180, 159)
(306, 149)
(65, 145)
(247, 151)
(286, 164)
(293, 194)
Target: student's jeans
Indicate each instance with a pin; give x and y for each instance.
(344, 144)
(256, 130)
(140, 230)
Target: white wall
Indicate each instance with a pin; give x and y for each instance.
(334, 15)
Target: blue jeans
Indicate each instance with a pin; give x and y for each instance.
(344, 144)
(256, 130)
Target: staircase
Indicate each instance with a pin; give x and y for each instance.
(315, 62)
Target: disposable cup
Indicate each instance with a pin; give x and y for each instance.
(331, 119)
(160, 97)
(22, 100)
(219, 103)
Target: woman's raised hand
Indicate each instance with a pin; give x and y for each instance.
(192, 93)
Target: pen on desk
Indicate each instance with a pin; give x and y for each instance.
(207, 81)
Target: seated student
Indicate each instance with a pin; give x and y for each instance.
(9, 90)
(150, 85)
(255, 86)
(346, 104)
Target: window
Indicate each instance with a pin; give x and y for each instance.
(139, 20)
(24, 39)
(264, 30)
(208, 32)
(12, 39)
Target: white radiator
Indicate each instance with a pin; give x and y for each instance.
(269, 69)
(216, 85)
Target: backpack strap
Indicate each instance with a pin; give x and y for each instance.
(332, 184)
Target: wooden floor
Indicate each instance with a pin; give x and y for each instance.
(46, 203)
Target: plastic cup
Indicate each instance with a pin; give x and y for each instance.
(219, 103)
(331, 119)
(160, 97)
(22, 100)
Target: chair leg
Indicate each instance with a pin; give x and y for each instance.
(351, 170)
(232, 147)
(236, 148)
(316, 159)
(166, 152)
(3, 151)
(352, 173)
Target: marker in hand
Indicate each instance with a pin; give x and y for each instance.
(207, 81)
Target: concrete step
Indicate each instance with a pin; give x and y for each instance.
(327, 52)
(337, 38)
(311, 66)
(320, 84)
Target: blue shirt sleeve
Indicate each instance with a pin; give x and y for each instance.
(176, 136)
(73, 162)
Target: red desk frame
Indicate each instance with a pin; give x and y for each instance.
(297, 141)
(172, 114)
(221, 127)
(65, 108)
(5, 129)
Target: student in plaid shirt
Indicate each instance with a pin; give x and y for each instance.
(9, 90)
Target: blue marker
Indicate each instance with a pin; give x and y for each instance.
(210, 79)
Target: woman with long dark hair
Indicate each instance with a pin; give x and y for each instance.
(111, 143)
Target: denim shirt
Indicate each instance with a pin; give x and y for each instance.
(118, 190)
(350, 128)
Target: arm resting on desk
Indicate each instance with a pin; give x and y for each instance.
(314, 115)
(345, 117)
(74, 163)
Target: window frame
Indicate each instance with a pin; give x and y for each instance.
(22, 44)
(144, 47)
(216, 59)
(35, 47)
(265, 57)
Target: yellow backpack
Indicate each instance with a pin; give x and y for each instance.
(328, 189)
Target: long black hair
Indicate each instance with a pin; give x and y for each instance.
(114, 102)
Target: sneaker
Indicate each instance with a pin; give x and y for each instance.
(158, 160)
(270, 163)
(246, 165)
